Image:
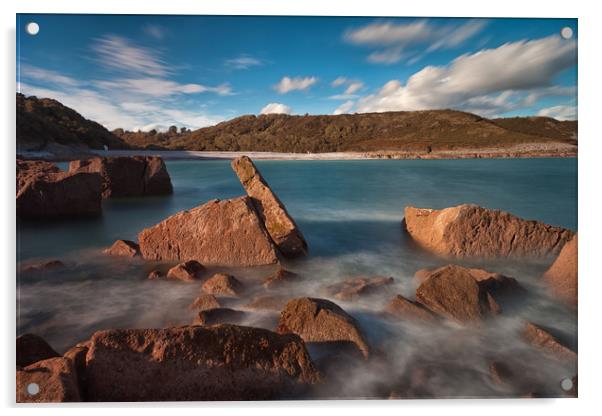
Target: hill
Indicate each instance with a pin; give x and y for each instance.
(44, 123)
(434, 130)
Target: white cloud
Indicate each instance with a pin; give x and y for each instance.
(343, 108)
(559, 112)
(354, 87)
(158, 87)
(51, 77)
(485, 81)
(395, 38)
(276, 108)
(116, 52)
(288, 84)
(243, 62)
(338, 82)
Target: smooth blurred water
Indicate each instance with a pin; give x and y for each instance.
(350, 213)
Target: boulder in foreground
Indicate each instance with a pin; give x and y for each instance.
(562, 275)
(222, 233)
(320, 320)
(32, 348)
(55, 379)
(280, 225)
(462, 294)
(128, 176)
(220, 362)
(472, 231)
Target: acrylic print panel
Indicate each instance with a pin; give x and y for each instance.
(262, 208)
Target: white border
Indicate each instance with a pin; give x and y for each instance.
(590, 153)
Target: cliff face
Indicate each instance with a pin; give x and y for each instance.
(43, 122)
(405, 131)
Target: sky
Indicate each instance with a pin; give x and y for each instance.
(143, 72)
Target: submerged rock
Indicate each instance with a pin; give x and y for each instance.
(123, 248)
(205, 302)
(128, 176)
(48, 381)
(223, 284)
(42, 267)
(462, 294)
(220, 362)
(224, 233)
(562, 275)
(542, 339)
(32, 348)
(406, 309)
(279, 278)
(353, 288)
(319, 320)
(155, 275)
(62, 194)
(218, 316)
(280, 225)
(268, 303)
(472, 231)
(189, 271)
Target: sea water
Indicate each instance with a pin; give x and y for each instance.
(350, 213)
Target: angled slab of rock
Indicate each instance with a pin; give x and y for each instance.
(219, 362)
(189, 271)
(462, 294)
(406, 309)
(123, 248)
(223, 233)
(128, 176)
(55, 378)
(542, 339)
(472, 231)
(62, 194)
(562, 275)
(223, 284)
(32, 348)
(320, 320)
(353, 288)
(278, 222)
(205, 302)
(279, 278)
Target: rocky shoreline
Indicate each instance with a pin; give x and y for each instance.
(312, 338)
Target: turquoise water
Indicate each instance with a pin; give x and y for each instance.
(350, 213)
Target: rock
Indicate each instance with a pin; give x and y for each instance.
(189, 271)
(280, 225)
(55, 379)
(270, 303)
(279, 278)
(155, 275)
(471, 231)
(32, 348)
(128, 176)
(77, 356)
(403, 308)
(197, 363)
(224, 233)
(123, 248)
(205, 302)
(319, 320)
(223, 284)
(63, 194)
(41, 267)
(464, 295)
(218, 316)
(562, 275)
(351, 289)
(28, 169)
(422, 274)
(542, 339)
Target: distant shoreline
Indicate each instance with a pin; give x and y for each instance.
(537, 150)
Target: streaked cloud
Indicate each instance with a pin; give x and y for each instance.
(559, 112)
(157, 87)
(243, 62)
(343, 108)
(119, 53)
(288, 84)
(155, 31)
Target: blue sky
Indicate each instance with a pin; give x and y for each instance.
(143, 72)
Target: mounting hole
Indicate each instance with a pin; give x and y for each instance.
(33, 389)
(566, 32)
(566, 384)
(32, 28)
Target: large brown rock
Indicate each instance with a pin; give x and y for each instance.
(406, 309)
(52, 380)
(278, 222)
(62, 194)
(462, 294)
(472, 231)
(32, 348)
(189, 271)
(128, 176)
(319, 320)
(220, 362)
(562, 275)
(225, 233)
(28, 169)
